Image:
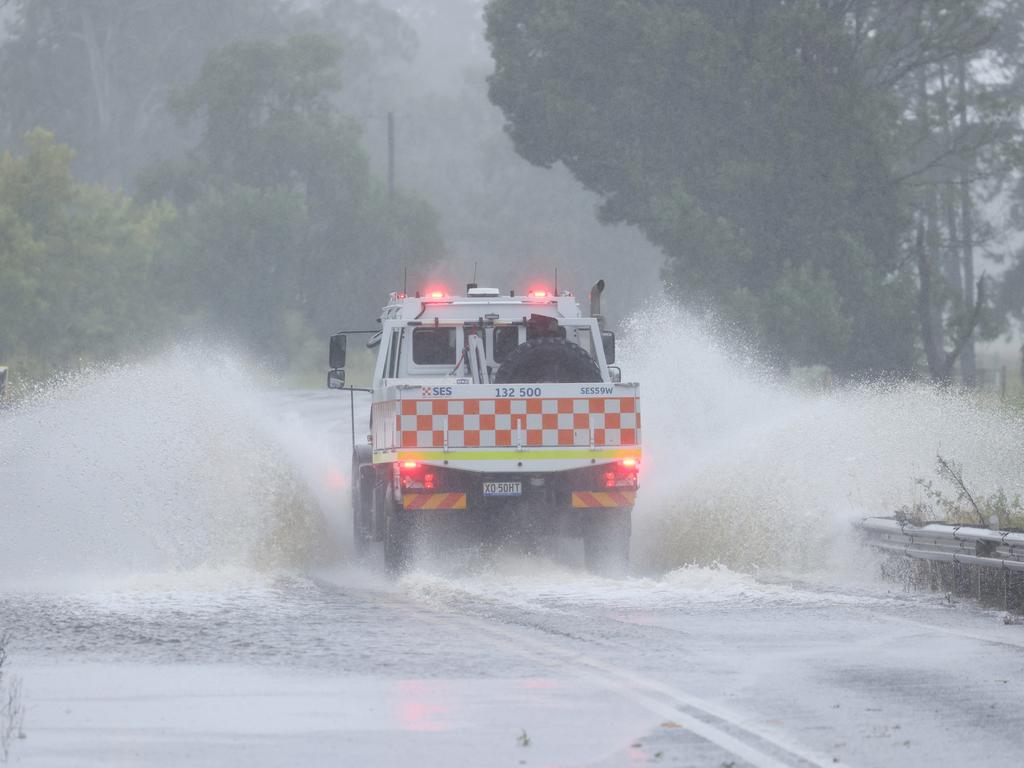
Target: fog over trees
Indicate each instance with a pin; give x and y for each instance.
(813, 170)
(837, 181)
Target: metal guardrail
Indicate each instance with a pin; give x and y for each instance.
(941, 542)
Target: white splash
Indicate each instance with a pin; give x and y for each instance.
(747, 471)
(167, 465)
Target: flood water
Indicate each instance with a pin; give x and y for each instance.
(176, 579)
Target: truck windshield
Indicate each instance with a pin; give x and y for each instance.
(433, 346)
(505, 340)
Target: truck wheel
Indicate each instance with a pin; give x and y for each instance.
(398, 530)
(547, 360)
(362, 508)
(606, 542)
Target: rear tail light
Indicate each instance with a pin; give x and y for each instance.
(621, 474)
(415, 476)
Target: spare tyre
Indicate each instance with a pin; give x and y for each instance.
(547, 360)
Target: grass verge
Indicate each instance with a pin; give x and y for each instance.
(963, 507)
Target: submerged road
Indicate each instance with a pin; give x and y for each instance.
(507, 660)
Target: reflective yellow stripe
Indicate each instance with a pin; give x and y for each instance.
(417, 501)
(460, 455)
(595, 499)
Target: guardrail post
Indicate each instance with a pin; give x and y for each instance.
(922, 574)
(1014, 591)
(962, 574)
(989, 581)
(964, 561)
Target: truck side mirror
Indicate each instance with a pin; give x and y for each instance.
(608, 342)
(339, 342)
(336, 379)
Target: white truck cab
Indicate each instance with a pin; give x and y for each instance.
(437, 336)
(500, 414)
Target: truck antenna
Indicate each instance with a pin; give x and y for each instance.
(475, 263)
(405, 280)
(556, 281)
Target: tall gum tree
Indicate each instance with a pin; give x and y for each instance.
(953, 76)
(739, 137)
(815, 170)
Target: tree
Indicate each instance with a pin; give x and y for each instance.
(951, 71)
(282, 227)
(741, 138)
(510, 223)
(256, 211)
(98, 72)
(817, 171)
(80, 265)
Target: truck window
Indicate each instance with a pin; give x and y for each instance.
(543, 327)
(505, 340)
(391, 364)
(585, 339)
(433, 346)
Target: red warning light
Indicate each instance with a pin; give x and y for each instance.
(401, 295)
(409, 465)
(538, 293)
(621, 474)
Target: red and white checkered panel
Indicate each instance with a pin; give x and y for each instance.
(499, 423)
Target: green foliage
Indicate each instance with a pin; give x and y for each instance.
(256, 216)
(279, 215)
(79, 264)
(741, 139)
(996, 511)
(266, 110)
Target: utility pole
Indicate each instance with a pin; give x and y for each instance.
(391, 156)
(968, 363)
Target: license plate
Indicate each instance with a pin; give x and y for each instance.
(511, 488)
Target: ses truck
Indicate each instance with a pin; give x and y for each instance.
(503, 415)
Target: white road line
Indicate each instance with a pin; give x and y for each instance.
(663, 710)
(626, 683)
(637, 688)
(1015, 642)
